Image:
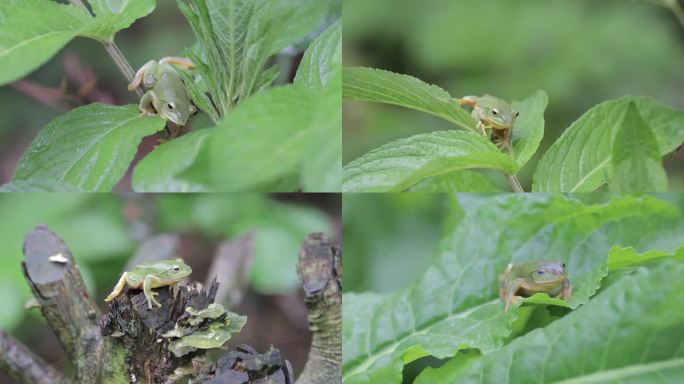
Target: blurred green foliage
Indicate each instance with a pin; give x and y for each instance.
(581, 52)
(102, 233)
(390, 239)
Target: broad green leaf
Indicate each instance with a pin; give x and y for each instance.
(321, 59)
(454, 305)
(89, 147)
(637, 165)
(403, 163)
(387, 87)
(38, 186)
(321, 68)
(458, 181)
(157, 171)
(528, 128)
(619, 257)
(580, 159)
(293, 20)
(32, 31)
(630, 333)
(111, 16)
(264, 138)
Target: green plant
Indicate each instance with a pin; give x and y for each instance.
(261, 134)
(618, 143)
(624, 320)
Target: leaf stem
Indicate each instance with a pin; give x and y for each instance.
(115, 53)
(515, 184)
(676, 8)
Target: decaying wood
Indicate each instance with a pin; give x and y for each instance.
(245, 365)
(138, 329)
(320, 268)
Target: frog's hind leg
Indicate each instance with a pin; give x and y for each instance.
(467, 101)
(182, 62)
(118, 288)
(139, 76)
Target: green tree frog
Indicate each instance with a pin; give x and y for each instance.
(157, 274)
(493, 113)
(166, 94)
(530, 277)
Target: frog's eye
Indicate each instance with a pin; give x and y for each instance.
(516, 113)
(540, 272)
(169, 106)
(176, 268)
(495, 112)
(563, 265)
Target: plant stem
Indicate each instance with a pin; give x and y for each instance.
(115, 53)
(515, 184)
(676, 8)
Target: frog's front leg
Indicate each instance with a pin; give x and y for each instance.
(511, 298)
(147, 290)
(147, 103)
(118, 288)
(566, 291)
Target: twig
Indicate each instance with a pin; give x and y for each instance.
(515, 184)
(64, 301)
(115, 53)
(320, 267)
(676, 8)
(25, 367)
(233, 262)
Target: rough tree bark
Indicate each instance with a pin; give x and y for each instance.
(320, 268)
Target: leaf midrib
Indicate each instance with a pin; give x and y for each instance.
(390, 348)
(90, 147)
(623, 372)
(38, 37)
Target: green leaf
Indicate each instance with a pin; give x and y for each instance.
(294, 20)
(623, 257)
(459, 181)
(322, 59)
(404, 163)
(157, 171)
(38, 186)
(386, 87)
(32, 31)
(637, 166)
(89, 147)
(112, 16)
(265, 138)
(454, 305)
(528, 128)
(581, 158)
(631, 332)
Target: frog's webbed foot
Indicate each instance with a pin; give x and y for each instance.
(149, 293)
(483, 128)
(182, 62)
(140, 75)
